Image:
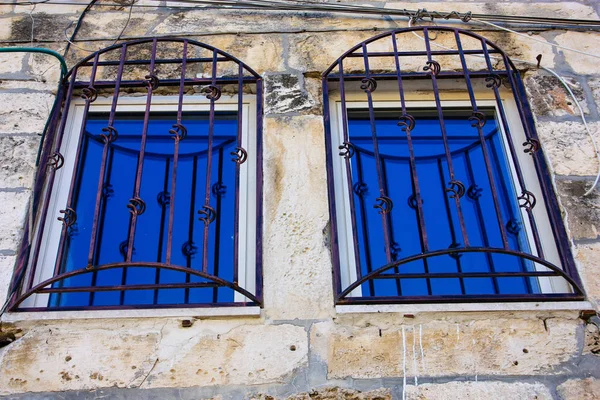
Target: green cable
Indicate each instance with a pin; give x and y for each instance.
(63, 72)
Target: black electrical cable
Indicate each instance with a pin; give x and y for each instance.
(78, 26)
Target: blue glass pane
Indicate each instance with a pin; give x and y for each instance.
(151, 234)
(441, 223)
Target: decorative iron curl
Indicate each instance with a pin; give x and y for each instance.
(477, 119)
(179, 132)
(369, 85)
(152, 81)
(457, 189)
(347, 150)
(527, 200)
(218, 189)
(163, 198)
(212, 92)
(395, 250)
(360, 188)
(531, 146)
(111, 134)
(240, 155)
(412, 201)
(433, 67)
(55, 161)
(385, 204)
(124, 247)
(474, 192)
(188, 249)
(208, 214)
(70, 217)
(89, 94)
(136, 206)
(107, 190)
(493, 81)
(513, 227)
(407, 122)
(455, 245)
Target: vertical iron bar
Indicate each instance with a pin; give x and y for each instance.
(140, 164)
(486, 242)
(161, 230)
(484, 149)
(65, 228)
(259, 188)
(211, 125)
(238, 168)
(177, 138)
(413, 167)
(348, 166)
(450, 224)
(216, 250)
(42, 220)
(108, 139)
(440, 111)
(391, 225)
(190, 241)
(365, 229)
(384, 220)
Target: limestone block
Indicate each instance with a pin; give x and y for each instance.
(594, 84)
(24, 112)
(549, 98)
(333, 393)
(7, 264)
(5, 27)
(286, 93)
(11, 63)
(498, 345)
(101, 24)
(588, 260)
(17, 160)
(45, 26)
(591, 344)
(580, 389)
(12, 214)
(581, 41)
(569, 148)
(478, 390)
(49, 9)
(297, 265)
(245, 355)
(583, 212)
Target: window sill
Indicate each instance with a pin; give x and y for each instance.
(253, 311)
(463, 307)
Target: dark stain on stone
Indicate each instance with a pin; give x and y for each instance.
(49, 27)
(286, 93)
(583, 211)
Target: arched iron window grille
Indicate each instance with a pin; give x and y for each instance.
(149, 187)
(431, 196)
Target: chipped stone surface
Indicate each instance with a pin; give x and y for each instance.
(592, 339)
(499, 346)
(580, 389)
(549, 98)
(333, 393)
(297, 264)
(286, 93)
(583, 214)
(587, 256)
(17, 165)
(479, 390)
(569, 147)
(7, 264)
(580, 63)
(26, 112)
(12, 214)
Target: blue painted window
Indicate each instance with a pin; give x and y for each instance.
(440, 220)
(151, 234)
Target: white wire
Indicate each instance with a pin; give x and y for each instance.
(560, 79)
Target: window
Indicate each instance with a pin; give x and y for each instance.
(158, 194)
(431, 199)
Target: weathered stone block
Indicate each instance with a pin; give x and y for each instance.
(12, 214)
(286, 93)
(24, 112)
(500, 345)
(580, 389)
(100, 24)
(591, 344)
(11, 63)
(7, 264)
(333, 393)
(46, 26)
(581, 41)
(297, 265)
(478, 390)
(569, 147)
(583, 212)
(588, 258)
(17, 163)
(549, 98)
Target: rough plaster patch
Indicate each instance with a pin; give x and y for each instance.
(569, 148)
(26, 112)
(12, 213)
(297, 266)
(479, 390)
(580, 389)
(7, 264)
(549, 98)
(587, 255)
(286, 93)
(17, 164)
(500, 346)
(581, 41)
(262, 53)
(333, 393)
(583, 212)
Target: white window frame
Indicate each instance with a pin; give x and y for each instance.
(389, 99)
(247, 190)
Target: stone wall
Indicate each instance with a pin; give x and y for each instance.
(300, 347)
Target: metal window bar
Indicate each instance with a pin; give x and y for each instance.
(102, 80)
(340, 79)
